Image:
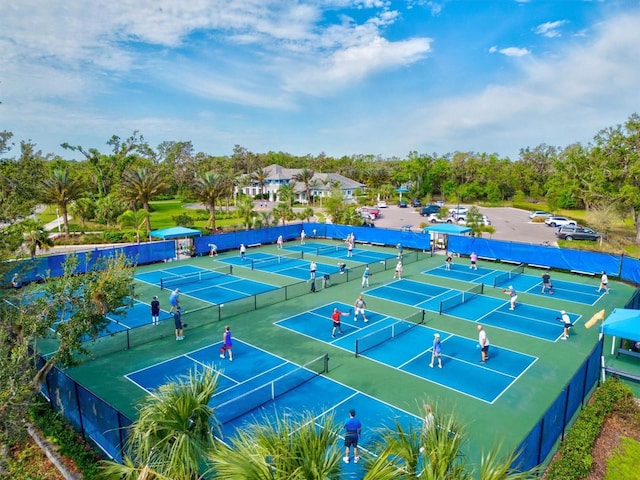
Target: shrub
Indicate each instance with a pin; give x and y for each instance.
(113, 236)
(575, 459)
(183, 220)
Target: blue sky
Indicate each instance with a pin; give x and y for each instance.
(304, 77)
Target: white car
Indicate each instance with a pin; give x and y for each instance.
(456, 212)
(539, 214)
(433, 218)
(559, 221)
(382, 204)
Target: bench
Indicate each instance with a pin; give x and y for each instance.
(619, 373)
(580, 272)
(544, 267)
(254, 245)
(624, 351)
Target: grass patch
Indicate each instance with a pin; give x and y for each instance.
(624, 463)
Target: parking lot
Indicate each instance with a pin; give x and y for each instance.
(510, 223)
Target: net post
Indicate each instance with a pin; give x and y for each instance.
(424, 314)
(230, 269)
(326, 363)
(440, 309)
(252, 265)
(481, 287)
(301, 254)
(161, 284)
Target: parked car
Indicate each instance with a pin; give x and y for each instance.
(559, 221)
(539, 214)
(375, 211)
(440, 203)
(416, 203)
(367, 216)
(382, 204)
(433, 218)
(573, 232)
(429, 209)
(458, 211)
(402, 204)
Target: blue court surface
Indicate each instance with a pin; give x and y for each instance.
(407, 346)
(124, 318)
(258, 385)
(526, 319)
(213, 286)
(360, 253)
(289, 266)
(562, 290)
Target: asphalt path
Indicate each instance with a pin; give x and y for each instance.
(510, 223)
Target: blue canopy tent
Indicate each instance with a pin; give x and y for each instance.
(176, 233)
(622, 323)
(440, 231)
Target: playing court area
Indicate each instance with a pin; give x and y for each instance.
(276, 346)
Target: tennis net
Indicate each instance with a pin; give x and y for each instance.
(505, 277)
(275, 260)
(330, 249)
(244, 403)
(461, 297)
(177, 280)
(390, 332)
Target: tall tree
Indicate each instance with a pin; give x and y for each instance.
(137, 220)
(208, 188)
(245, 210)
(61, 189)
(260, 176)
(108, 168)
(305, 176)
(139, 185)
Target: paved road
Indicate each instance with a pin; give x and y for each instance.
(510, 223)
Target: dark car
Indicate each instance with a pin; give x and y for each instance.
(416, 203)
(402, 204)
(573, 232)
(429, 209)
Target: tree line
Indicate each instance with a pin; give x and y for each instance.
(603, 175)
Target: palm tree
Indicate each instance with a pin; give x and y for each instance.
(434, 452)
(60, 189)
(35, 236)
(139, 185)
(172, 436)
(260, 176)
(305, 176)
(208, 189)
(285, 448)
(286, 193)
(283, 211)
(245, 211)
(137, 221)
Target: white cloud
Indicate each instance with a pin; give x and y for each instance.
(549, 29)
(510, 51)
(558, 101)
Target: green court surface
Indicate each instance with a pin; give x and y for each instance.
(509, 412)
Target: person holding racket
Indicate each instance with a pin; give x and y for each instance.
(335, 318)
(513, 296)
(365, 276)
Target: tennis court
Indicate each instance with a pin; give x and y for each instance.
(472, 305)
(562, 289)
(258, 385)
(284, 329)
(360, 253)
(213, 286)
(289, 264)
(406, 346)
